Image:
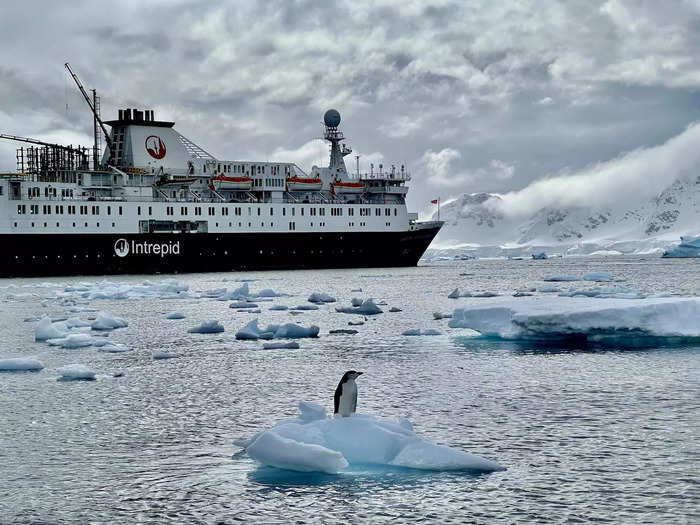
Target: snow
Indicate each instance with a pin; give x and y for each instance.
(314, 443)
(584, 318)
(76, 372)
(366, 308)
(106, 321)
(73, 341)
(598, 277)
(175, 315)
(207, 327)
(21, 364)
(415, 331)
(274, 346)
(320, 298)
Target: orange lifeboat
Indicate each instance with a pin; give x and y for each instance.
(340, 187)
(300, 184)
(223, 182)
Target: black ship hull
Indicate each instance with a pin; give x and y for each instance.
(38, 255)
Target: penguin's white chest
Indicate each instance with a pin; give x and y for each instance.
(348, 399)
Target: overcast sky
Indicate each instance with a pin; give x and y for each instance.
(471, 95)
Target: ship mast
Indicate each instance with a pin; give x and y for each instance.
(332, 134)
(93, 107)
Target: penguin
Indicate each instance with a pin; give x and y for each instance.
(345, 398)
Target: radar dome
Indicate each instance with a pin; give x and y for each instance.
(331, 118)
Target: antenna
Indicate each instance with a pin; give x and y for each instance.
(357, 159)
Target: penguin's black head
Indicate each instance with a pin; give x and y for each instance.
(351, 374)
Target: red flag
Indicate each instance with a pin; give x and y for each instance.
(434, 202)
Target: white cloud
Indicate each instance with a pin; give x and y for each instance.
(440, 170)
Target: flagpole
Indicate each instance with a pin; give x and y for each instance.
(438, 209)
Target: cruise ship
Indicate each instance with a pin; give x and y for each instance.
(155, 202)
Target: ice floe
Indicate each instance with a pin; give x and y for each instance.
(174, 315)
(314, 443)
(440, 315)
(107, 321)
(342, 331)
(689, 247)
(305, 307)
(549, 289)
(242, 305)
(166, 289)
(367, 307)
(114, 348)
(252, 331)
(162, 355)
(598, 277)
(207, 327)
(275, 346)
(560, 278)
(584, 318)
(47, 329)
(279, 307)
(605, 292)
(21, 364)
(294, 331)
(71, 341)
(76, 373)
(394, 309)
(319, 298)
(416, 331)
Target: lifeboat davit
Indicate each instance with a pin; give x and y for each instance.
(300, 184)
(222, 182)
(339, 187)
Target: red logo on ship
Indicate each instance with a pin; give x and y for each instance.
(155, 147)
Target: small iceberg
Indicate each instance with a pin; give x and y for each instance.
(439, 315)
(415, 331)
(21, 364)
(342, 331)
(46, 329)
(207, 327)
(539, 256)
(394, 309)
(584, 319)
(367, 307)
(278, 307)
(252, 332)
(157, 355)
(598, 277)
(560, 278)
(688, 248)
(276, 346)
(312, 442)
(107, 321)
(294, 331)
(174, 315)
(73, 341)
(321, 298)
(304, 307)
(114, 348)
(456, 294)
(76, 373)
(242, 305)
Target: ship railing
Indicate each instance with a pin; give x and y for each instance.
(401, 176)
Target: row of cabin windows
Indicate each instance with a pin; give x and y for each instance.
(242, 168)
(292, 225)
(35, 191)
(170, 210)
(59, 209)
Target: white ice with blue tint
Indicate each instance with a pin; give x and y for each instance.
(73, 341)
(314, 443)
(251, 331)
(46, 329)
(166, 289)
(76, 372)
(21, 364)
(583, 318)
(598, 277)
(417, 331)
(294, 331)
(174, 315)
(107, 321)
(368, 307)
(207, 327)
(689, 247)
(319, 297)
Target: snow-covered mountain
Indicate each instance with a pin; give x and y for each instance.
(480, 224)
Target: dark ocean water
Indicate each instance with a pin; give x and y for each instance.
(587, 433)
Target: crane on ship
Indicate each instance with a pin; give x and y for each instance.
(93, 104)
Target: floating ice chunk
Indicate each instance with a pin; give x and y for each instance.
(549, 289)
(583, 318)
(46, 329)
(279, 307)
(114, 348)
(311, 411)
(213, 294)
(207, 327)
(485, 294)
(162, 355)
(72, 341)
(276, 451)
(393, 309)
(539, 256)
(355, 323)
(175, 315)
(106, 321)
(689, 247)
(342, 331)
(305, 307)
(267, 292)
(76, 373)
(560, 278)
(318, 297)
(242, 305)
(366, 308)
(415, 331)
(251, 331)
(606, 292)
(168, 288)
(312, 442)
(274, 346)
(21, 364)
(526, 289)
(599, 277)
(356, 301)
(74, 322)
(522, 294)
(456, 294)
(294, 331)
(240, 293)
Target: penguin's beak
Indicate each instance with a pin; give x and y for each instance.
(359, 373)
